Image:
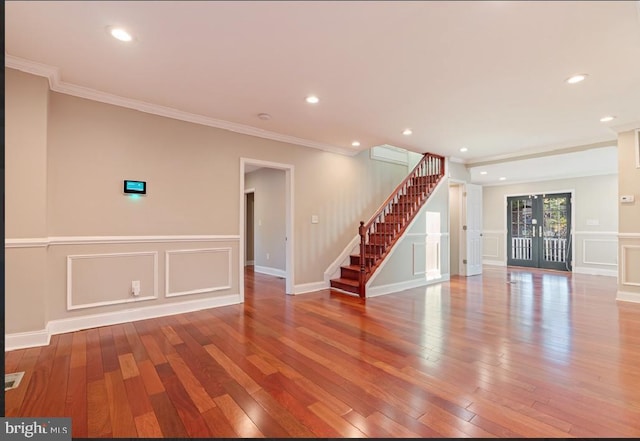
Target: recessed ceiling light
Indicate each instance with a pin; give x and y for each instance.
(463, 149)
(407, 132)
(576, 78)
(355, 144)
(607, 118)
(264, 116)
(312, 99)
(503, 178)
(483, 172)
(120, 34)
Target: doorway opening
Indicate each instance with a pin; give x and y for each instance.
(539, 231)
(465, 228)
(249, 231)
(455, 228)
(279, 248)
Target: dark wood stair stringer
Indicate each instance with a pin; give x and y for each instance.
(389, 223)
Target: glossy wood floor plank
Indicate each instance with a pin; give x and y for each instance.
(512, 353)
(15, 397)
(98, 416)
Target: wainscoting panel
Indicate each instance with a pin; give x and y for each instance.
(198, 271)
(490, 247)
(600, 252)
(595, 252)
(630, 265)
(493, 247)
(105, 279)
(419, 258)
(81, 282)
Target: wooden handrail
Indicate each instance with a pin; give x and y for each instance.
(430, 167)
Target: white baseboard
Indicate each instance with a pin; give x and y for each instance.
(595, 271)
(23, 340)
(270, 271)
(494, 262)
(42, 338)
(628, 296)
(310, 287)
(333, 271)
(250, 263)
(381, 290)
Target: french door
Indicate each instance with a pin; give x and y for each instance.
(538, 231)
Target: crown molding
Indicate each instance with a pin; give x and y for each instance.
(57, 85)
(531, 154)
(28, 66)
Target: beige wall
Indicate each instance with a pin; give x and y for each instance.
(595, 201)
(629, 214)
(192, 174)
(26, 165)
(66, 160)
(458, 172)
(25, 200)
(93, 147)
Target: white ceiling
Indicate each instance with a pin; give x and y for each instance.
(486, 75)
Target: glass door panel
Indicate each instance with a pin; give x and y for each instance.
(538, 231)
(555, 231)
(520, 233)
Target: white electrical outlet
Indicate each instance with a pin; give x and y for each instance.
(135, 287)
(627, 199)
(268, 256)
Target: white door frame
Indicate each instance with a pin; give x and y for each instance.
(289, 262)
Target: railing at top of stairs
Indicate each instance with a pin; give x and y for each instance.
(398, 210)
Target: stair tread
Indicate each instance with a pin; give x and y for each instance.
(352, 267)
(349, 282)
(366, 256)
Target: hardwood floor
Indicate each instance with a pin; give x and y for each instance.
(512, 353)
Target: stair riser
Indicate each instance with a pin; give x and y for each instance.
(348, 288)
(409, 201)
(393, 217)
(355, 260)
(374, 249)
(380, 240)
(348, 273)
(422, 180)
(387, 227)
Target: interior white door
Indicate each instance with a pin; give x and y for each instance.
(472, 229)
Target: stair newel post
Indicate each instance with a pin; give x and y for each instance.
(362, 278)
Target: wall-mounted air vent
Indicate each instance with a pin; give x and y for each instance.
(11, 381)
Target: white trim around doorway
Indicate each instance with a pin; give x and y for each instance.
(289, 197)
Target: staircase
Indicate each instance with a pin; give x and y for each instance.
(389, 223)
